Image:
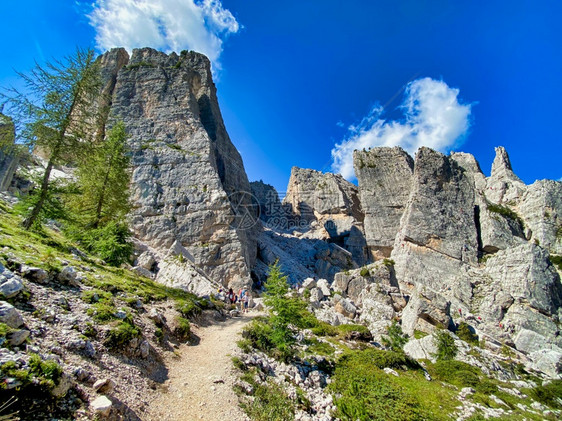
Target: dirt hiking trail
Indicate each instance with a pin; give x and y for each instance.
(200, 380)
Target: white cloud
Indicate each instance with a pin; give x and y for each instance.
(433, 117)
(169, 25)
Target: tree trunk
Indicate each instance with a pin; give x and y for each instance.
(30, 220)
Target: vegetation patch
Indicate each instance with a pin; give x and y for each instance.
(505, 212)
(120, 335)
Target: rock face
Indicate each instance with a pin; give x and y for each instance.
(188, 184)
(271, 210)
(328, 207)
(385, 176)
(8, 157)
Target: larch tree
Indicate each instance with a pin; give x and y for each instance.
(55, 113)
(103, 180)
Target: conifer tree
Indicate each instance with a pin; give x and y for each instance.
(55, 113)
(103, 180)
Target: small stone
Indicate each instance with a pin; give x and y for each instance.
(62, 302)
(80, 374)
(18, 337)
(120, 314)
(144, 349)
(104, 386)
(389, 370)
(68, 275)
(102, 406)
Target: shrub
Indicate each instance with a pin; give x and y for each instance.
(120, 335)
(270, 403)
(110, 242)
(556, 260)
(446, 348)
(188, 308)
(549, 394)
(353, 331)
(183, 328)
(466, 334)
(102, 312)
(365, 272)
(48, 371)
(395, 339)
(364, 392)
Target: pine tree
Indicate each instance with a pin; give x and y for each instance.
(55, 113)
(103, 180)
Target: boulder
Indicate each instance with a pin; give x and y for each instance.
(101, 406)
(346, 307)
(18, 337)
(34, 274)
(10, 287)
(424, 348)
(425, 310)
(324, 286)
(10, 315)
(548, 361)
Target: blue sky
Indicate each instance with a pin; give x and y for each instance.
(294, 76)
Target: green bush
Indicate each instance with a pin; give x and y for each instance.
(121, 335)
(465, 333)
(364, 392)
(462, 375)
(446, 348)
(188, 308)
(395, 338)
(557, 261)
(102, 312)
(550, 394)
(270, 403)
(353, 331)
(183, 328)
(365, 272)
(112, 242)
(48, 371)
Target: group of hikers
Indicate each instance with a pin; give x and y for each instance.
(242, 298)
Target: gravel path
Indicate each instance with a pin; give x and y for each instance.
(201, 378)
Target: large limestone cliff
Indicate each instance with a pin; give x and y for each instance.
(189, 188)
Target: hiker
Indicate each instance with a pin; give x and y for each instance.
(246, 301)
(231, 296)
(243, 293)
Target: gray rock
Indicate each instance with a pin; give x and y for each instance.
(309, 283)
(146, 261)
(144, 349)
(271, 209)
(316, 295)
(63, 386)
(68, 275)
(101, 406)
(34, 274)
(385, 177)
(503, 186)
(423, 348)
(548, 361)
(10, 315)
(104, 386)
(425, 310)
(139, 270)
(324, 286)
(525, 273)
(80, 374)
(18, 337)
(541, 209)
(346, 307)
(10, 287)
